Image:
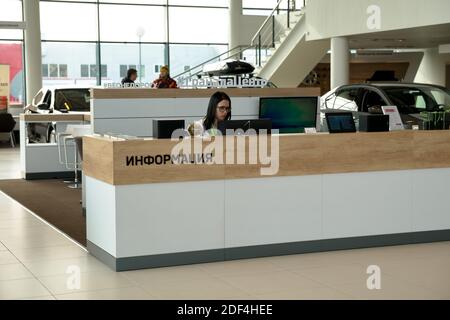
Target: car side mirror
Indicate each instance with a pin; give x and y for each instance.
(43, 106)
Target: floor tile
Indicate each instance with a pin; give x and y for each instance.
(36, 240)
(133, 293)
(10, 209)
(62, 284)
(14, 271)
(432, 273)
(161, 276)
(49, 253)
(22, 232)
(262, 283)
(310, 260)
(391, 288)
(40, 298)
(61, 266)
(336, 275)
(23, 288)
(322, 293)
(7, 257)
(205, 287)
(240, 267)
(28, 222)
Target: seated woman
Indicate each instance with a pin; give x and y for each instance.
(219, 109)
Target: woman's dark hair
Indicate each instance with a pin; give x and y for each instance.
(130, 72)
(212, 106)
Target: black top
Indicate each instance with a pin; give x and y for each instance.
(126, 80)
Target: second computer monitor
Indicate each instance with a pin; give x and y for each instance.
(242, 126)
(164, 128)
(339, 122)
(290, 114)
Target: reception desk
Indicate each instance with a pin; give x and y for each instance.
(329, 192)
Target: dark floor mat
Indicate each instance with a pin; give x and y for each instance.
(51, 200)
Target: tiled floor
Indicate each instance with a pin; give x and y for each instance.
(9, 161)
(37, 262)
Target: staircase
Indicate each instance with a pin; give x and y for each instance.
(280, 36)
(279, 50)
(290, 57)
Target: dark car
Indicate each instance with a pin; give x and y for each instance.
(410, 98)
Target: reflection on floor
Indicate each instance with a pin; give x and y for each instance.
(37, 262)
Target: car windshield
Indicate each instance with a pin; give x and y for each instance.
(417, 99)
(72, 99)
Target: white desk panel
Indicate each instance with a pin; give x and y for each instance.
(430, 202)
(101, 214)
(169, 217)
(272, 210)
(43, 157)
(369, 203)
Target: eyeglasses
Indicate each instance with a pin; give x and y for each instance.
(223, 109)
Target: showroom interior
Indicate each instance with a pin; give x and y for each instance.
(345, 202)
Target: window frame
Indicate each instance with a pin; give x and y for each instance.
(167, 5)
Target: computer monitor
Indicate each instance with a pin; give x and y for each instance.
(339, 122)
(163, 128)
(244, 125)
(291, 114)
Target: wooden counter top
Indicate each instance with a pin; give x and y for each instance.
(105, 159)
(141, 93)
(36, 117)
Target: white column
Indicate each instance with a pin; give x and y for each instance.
(235, 16)
(432, 68)
(340, 62)
(33, 56)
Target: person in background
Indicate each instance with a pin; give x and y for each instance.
(164, 81)
(219, 109)
(130, 78)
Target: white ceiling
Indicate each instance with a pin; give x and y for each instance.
(421, 37)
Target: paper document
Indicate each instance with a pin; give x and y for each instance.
(395, 121)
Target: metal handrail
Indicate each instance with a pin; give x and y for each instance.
(258, 42)
(265, 21)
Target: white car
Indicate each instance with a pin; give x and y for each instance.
(67, 99)
(410, 98)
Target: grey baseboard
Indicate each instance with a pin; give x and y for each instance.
(223, 254)
(155, 261)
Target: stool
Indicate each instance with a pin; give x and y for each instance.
(68, 139)
(63, 159)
